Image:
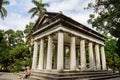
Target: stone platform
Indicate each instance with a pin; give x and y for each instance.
(73, 75)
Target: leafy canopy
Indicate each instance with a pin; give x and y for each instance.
(3, 11)
(107, 19)
(39, 8)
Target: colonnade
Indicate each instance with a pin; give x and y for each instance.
(96, 53)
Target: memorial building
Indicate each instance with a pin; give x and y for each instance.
(62, 44)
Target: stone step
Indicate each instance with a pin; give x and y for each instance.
(73, 75)
(79, 76)
(105, 77)
(72, 72)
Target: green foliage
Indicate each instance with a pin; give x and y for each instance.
(3, 11)
(39, 8)
(1, 36)
(14, 53)
(107, 19)
(20, 55)
(112, 58)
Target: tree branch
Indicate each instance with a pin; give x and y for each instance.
(1, 1)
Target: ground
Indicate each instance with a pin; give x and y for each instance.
(9, 76)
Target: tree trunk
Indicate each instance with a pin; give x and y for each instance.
(1, 3)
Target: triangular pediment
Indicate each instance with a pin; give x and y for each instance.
(41, 20)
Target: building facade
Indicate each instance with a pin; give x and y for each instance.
(63, 44)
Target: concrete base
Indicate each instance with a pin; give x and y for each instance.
(72, 75)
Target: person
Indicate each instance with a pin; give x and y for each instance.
(26, 72)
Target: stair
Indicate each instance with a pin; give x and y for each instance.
(73, 75)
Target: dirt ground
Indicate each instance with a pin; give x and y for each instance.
(9, 76)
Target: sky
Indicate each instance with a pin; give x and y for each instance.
(18, 16)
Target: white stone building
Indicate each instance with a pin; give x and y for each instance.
(56, 34)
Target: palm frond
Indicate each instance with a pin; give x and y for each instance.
(46, 5)
(35, 2)
(5, 2)
(3, 12)
(34, 14)
(1, 1)
(32, 10)
(39, 7)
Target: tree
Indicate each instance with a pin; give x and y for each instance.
(107, 19)
(39, 8)
(3, 11)
(18, 57)
(1, 35)
(28, 35)
(14, 53)
(1, 3)
(19, 39)
(9, 35)
(111, 55)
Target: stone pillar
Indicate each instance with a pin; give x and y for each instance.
(41, 55)
(103, 59)
(77, 57)
(35, 53)
(45, 54)
(49, 53)
(60, 51)
(98, 65)
(82, 55)
(91, 57)
(72, 53)
(64, 57)
(55, 56)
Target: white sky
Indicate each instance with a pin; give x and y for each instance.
(18, 15)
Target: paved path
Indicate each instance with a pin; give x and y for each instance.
(9, 76)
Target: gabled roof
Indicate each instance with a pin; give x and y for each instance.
(40, 20)
(51, 17)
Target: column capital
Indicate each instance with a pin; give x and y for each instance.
(90, 41)
(102, 45)
(50, 35)
(39, 40)
(60, 31)
(82, 38)
(36, 40)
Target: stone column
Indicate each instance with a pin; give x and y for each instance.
(77, 57)
(82, 55)
(103, 58)
(64, 57)
(49, 53)
(72, 53)
(41, 55)
(91, 57)
(45, 54)
(55, 56)
(35, 52)
(98, 65)
(60, 51)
